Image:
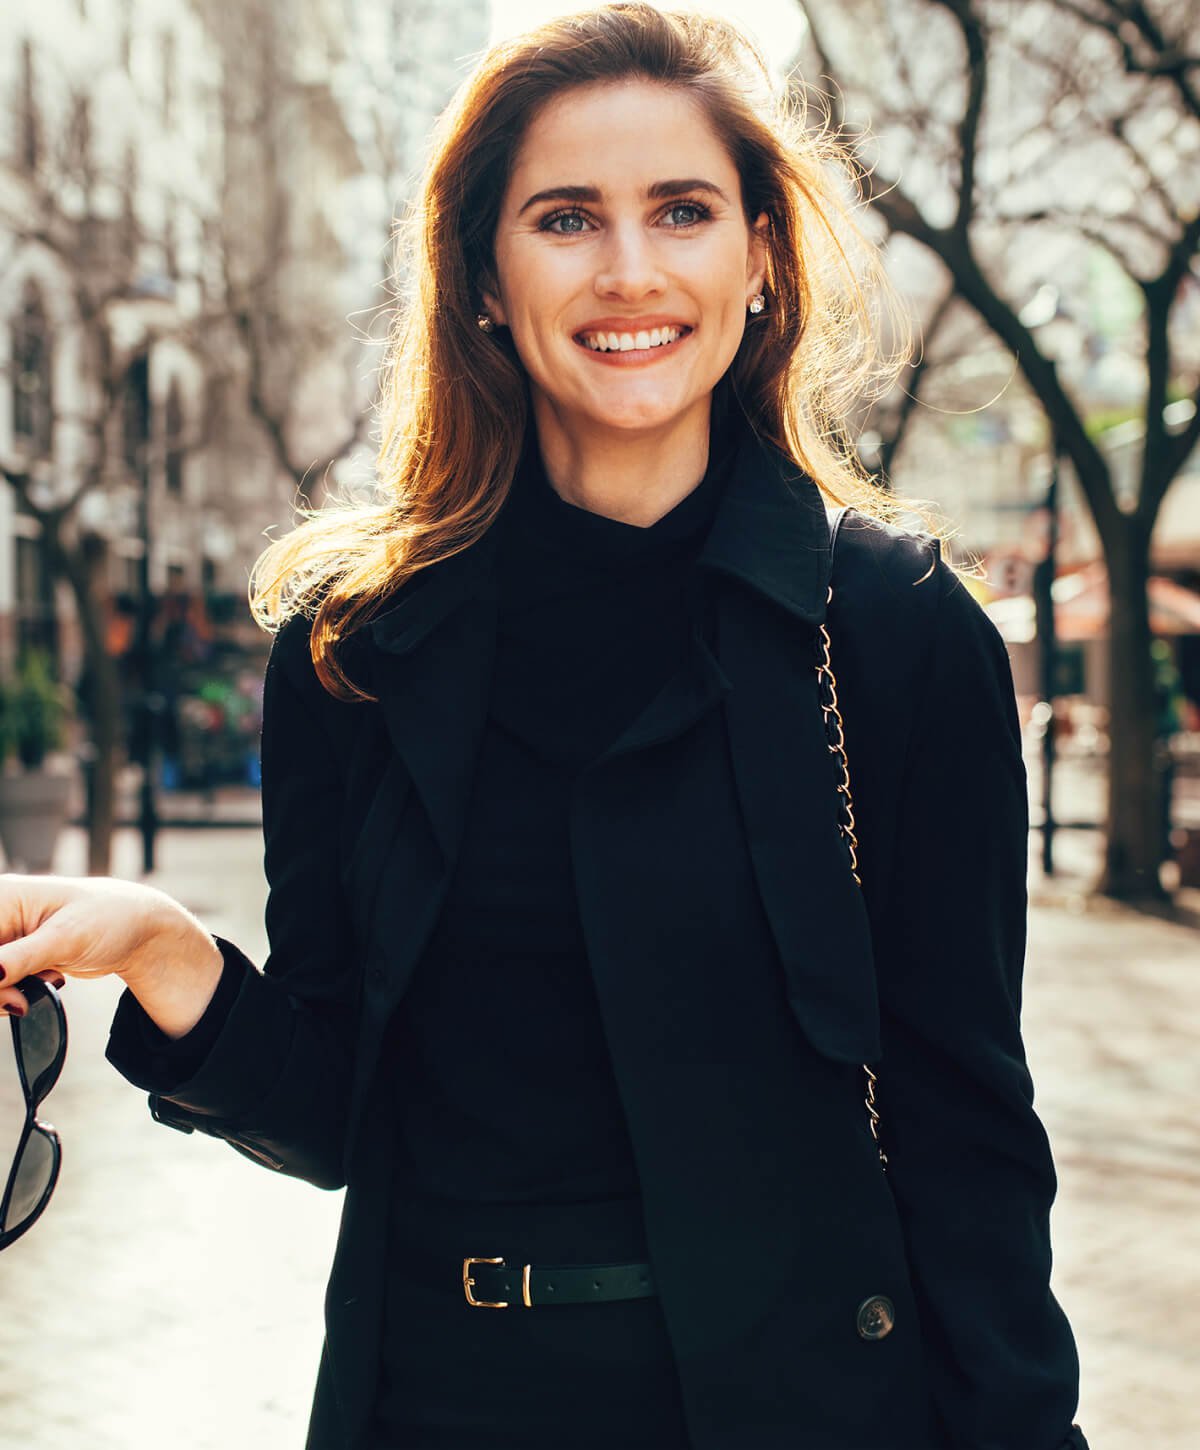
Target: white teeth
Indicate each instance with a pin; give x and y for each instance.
(630, 341)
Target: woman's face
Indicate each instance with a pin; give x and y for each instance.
(624, 260)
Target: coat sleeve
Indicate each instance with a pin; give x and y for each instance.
(275, 1080)
(969, 1161)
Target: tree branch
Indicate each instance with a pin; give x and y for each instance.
(911, 395)
(970, 23)
(952, 245)
(1161, 459)
(1167, 61)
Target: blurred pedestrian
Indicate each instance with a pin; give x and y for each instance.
(583, 953)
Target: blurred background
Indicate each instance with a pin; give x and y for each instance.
(196, 205)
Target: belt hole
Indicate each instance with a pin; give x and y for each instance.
(595, 1284)
(549, 1288)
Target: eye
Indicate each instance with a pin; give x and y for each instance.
(573, 222)
(687, 213)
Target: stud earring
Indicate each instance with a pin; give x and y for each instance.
(485, 323)
(757, 303)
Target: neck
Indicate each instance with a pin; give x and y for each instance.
(634, 477)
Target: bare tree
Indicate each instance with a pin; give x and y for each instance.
(88, 262)
(264, 330)
(280, 260)
(1012, 138)
(887, 420)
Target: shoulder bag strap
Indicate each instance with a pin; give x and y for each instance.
(835, 737)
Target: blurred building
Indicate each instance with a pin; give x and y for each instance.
(194, 219)
(109, 181)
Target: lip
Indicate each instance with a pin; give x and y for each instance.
(633, 324)
(635, 357)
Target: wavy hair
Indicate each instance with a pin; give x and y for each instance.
(453, 405)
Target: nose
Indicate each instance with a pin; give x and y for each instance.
(628, 267)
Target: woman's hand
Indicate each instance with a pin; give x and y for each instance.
(65, 926)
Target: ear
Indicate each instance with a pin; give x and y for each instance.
(756, 256)
(489, 295)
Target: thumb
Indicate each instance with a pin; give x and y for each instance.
(42, 950)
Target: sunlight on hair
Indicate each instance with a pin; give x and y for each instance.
(777, 25)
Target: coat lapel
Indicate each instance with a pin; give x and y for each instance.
(770, 548)
(431, 671)
(786, 786)
(432, 677)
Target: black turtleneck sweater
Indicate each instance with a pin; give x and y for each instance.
(506, 1091)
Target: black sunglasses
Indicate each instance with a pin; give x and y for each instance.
(40, 1047)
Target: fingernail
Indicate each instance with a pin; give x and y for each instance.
(2, 974)
(15, 1011)
(56, 979)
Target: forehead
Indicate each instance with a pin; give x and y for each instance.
(620, 136)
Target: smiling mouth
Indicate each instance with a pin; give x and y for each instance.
(645, 341)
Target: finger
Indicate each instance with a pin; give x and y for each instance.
(12, 1004)
(14, 1000)
(42, 950)
(27, 901)
(29, 904)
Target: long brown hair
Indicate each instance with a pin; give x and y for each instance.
(454, 401)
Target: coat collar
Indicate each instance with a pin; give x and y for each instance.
(770, 532)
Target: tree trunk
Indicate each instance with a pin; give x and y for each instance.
(1134, 845)
(82, 567)
(106, 740)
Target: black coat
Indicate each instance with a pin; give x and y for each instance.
(742, 974)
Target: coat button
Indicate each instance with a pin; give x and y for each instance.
(876, 1317)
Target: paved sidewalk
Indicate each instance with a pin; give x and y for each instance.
(171, 1297)
(1112, 1022)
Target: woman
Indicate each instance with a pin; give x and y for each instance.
(571, 977)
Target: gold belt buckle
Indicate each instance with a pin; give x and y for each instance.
(469, 1284)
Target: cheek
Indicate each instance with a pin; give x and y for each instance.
(726, 304)
(720, 282)
(533, 298)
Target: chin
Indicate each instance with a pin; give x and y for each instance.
(640, 415)
(643, 421)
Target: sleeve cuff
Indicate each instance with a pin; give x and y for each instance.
(251, 1036)
(148, 1058)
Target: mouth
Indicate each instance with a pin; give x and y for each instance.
(656, 341)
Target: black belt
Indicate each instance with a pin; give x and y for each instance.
(491, 1284)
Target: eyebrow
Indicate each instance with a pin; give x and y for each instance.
(656, 191)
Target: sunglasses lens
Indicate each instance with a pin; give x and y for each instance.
(34, 1176)
(39, 1041)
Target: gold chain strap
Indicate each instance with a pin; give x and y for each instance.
(835, 735)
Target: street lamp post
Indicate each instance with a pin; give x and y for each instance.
(1043, 598)
(1059, 339)
(148, 700)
